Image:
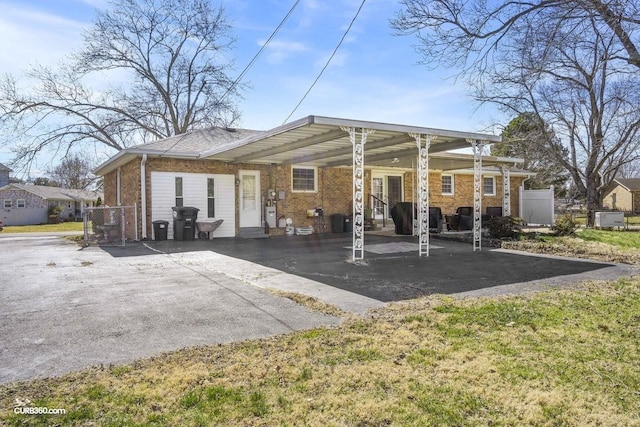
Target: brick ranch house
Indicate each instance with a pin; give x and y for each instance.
(232, 174)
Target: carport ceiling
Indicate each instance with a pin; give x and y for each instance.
(321, 141)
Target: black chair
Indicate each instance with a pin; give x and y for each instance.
(465, 218)
(435, 219)
(403, 215)
(494, 211)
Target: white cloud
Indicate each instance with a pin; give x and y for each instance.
(30, 36)
(278, 51)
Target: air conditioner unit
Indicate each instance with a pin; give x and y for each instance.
(609, 219)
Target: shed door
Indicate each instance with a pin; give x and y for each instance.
(250, 215)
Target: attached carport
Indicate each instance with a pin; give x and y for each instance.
(334, 142)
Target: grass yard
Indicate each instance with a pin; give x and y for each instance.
(602, 245)
(62, 227)
(565, 358)
(622, 239)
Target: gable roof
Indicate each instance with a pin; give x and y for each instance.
(55, 193)
(631, 184)
(313, 140)
(4, 168)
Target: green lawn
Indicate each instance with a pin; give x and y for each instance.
(621, 239)
(64, 226)
(560, 358)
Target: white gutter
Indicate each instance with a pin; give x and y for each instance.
(143, 195)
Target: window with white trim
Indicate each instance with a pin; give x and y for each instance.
(304, 179)
(447, 184)
(489, 185)
(20, 203)
(179, 196)
(8, 203)
(211, 198)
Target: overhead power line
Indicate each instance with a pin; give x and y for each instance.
(328, 62)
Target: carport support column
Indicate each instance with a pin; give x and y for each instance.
(358, 188)
(477, 146)
(506, 191)
(423, 191)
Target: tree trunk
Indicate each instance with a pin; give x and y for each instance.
(593, 200)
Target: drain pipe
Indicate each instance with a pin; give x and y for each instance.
(143, 195)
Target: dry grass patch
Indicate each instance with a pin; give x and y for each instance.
(558, 358)
(578, 248)
(311, 303)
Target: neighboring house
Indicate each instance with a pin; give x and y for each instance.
(4, 175)
(242, 176)
(25, 204)
(623, 195)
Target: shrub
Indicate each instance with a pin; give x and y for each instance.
(565, 225)
(504, 227)
(54, 214)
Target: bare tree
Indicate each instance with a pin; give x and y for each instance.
(560, 60)
(630, 170)
(74, 171)
(173, 56)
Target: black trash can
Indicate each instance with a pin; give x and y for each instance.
(184, 222)
(160, 230)
(337, 223)
(348, 224)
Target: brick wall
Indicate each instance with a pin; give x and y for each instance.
(334, 193)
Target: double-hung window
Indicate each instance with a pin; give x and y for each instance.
(447, 185)
(304, 179)
(489, 185)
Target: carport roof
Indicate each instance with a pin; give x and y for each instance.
(319, 141)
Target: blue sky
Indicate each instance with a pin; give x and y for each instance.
(374, 76)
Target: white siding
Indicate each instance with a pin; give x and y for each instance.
(194, 187)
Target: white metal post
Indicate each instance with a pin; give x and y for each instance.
(423, 192)
(477, 193)
(358, 189)
(506, 191)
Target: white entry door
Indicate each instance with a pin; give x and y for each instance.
(250, 206)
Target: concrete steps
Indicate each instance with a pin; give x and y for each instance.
(252, 233)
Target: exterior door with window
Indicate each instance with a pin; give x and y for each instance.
(385, 188)
(250, 206)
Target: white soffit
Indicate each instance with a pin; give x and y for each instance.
(322, 141)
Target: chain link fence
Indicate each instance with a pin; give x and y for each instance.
(105, 226)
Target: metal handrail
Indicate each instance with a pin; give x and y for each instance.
(372, 197)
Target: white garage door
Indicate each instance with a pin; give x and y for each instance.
(196, 191)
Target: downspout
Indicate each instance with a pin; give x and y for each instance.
(118, 184)
(143, 195)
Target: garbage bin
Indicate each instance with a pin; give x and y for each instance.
(348, 224)
(184, 222)
(337, 223)
(160, 230)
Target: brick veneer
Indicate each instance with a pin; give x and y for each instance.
(334, 193)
